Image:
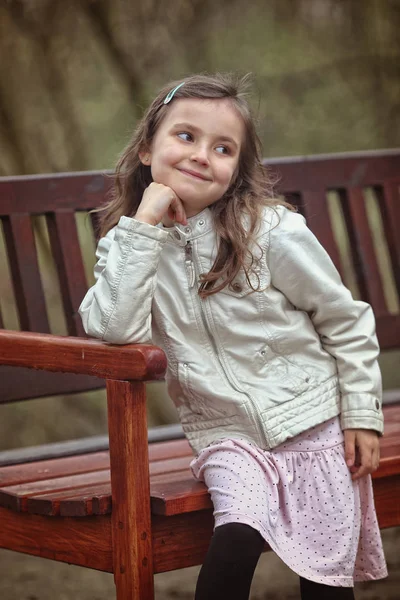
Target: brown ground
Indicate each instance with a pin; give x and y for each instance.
(30, 578)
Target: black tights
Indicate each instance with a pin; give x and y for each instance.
(230, 563)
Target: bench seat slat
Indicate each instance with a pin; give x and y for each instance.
(80, 485)
(85, 500)
(171, 493)
(18, 494)
(58, 467)
(16, 497)
(86, 463)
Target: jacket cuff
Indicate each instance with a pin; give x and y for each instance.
(150, 231)
(362, 411)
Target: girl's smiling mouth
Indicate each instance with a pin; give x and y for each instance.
(194, 174)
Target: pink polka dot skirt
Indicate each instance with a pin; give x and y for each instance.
(301, 499)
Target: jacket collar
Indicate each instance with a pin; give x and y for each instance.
(196, 227)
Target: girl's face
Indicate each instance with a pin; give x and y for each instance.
(196, 150)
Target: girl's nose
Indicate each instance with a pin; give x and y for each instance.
(200, 155)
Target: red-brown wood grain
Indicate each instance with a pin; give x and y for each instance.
(182, 540)
(50, 469)
(389, 200)
(159, 452)
(24, 268)
(335, 171)
(68, 258)
(130, 486)
(80, 355)
(84, 541)
(41, 194)
(387, 499)
(366, 265)
(315, 209)
(80, 501)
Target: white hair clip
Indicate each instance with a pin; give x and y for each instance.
(170, 95)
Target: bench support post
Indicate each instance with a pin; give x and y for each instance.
(130, 485)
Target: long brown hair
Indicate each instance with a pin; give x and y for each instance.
(246, 197)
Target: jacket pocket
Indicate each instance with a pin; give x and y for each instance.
(196, 406)
(283, 378)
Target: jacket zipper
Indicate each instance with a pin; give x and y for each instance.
(190, 270)
(189, 264)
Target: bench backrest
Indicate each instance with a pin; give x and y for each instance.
(355, 183)
(366, 187)
(57, 197)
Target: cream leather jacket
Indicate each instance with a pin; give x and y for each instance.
(263, 366)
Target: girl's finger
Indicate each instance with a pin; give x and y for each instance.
(177, 207)
(349, 442)
(366, 462)
(376, 458)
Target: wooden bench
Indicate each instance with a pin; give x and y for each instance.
(136, 510)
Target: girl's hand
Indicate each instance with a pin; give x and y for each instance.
(157, 201)
(361, 451)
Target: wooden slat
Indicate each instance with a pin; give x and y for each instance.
(94, 218)
(82, 501)
(315, 208)
(87, 541)
(15, 496)
(24, 268)
(173, 490)
(40, 194)
(387, 328)
(130, 485)
(74, 487)
(142, 362)
(178, 494)
(95, 498)
(182, 540)
(332, 171)
(387, 494)
(51, 469)
(68, 258)
(389, 201)
(178, 542)
(362, 247)
(159, 453)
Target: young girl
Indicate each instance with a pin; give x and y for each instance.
(271, 364)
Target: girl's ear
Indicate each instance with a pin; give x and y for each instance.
(145, 157)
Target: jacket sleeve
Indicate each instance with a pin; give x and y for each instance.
(302, 270)
(117, 308)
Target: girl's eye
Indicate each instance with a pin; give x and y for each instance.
(184, 135)
(222, 150)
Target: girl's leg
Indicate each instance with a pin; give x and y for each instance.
(318, 591)
(229, 566)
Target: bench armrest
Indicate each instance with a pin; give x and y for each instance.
(48, 352)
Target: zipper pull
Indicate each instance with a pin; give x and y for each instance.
(189, 264)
